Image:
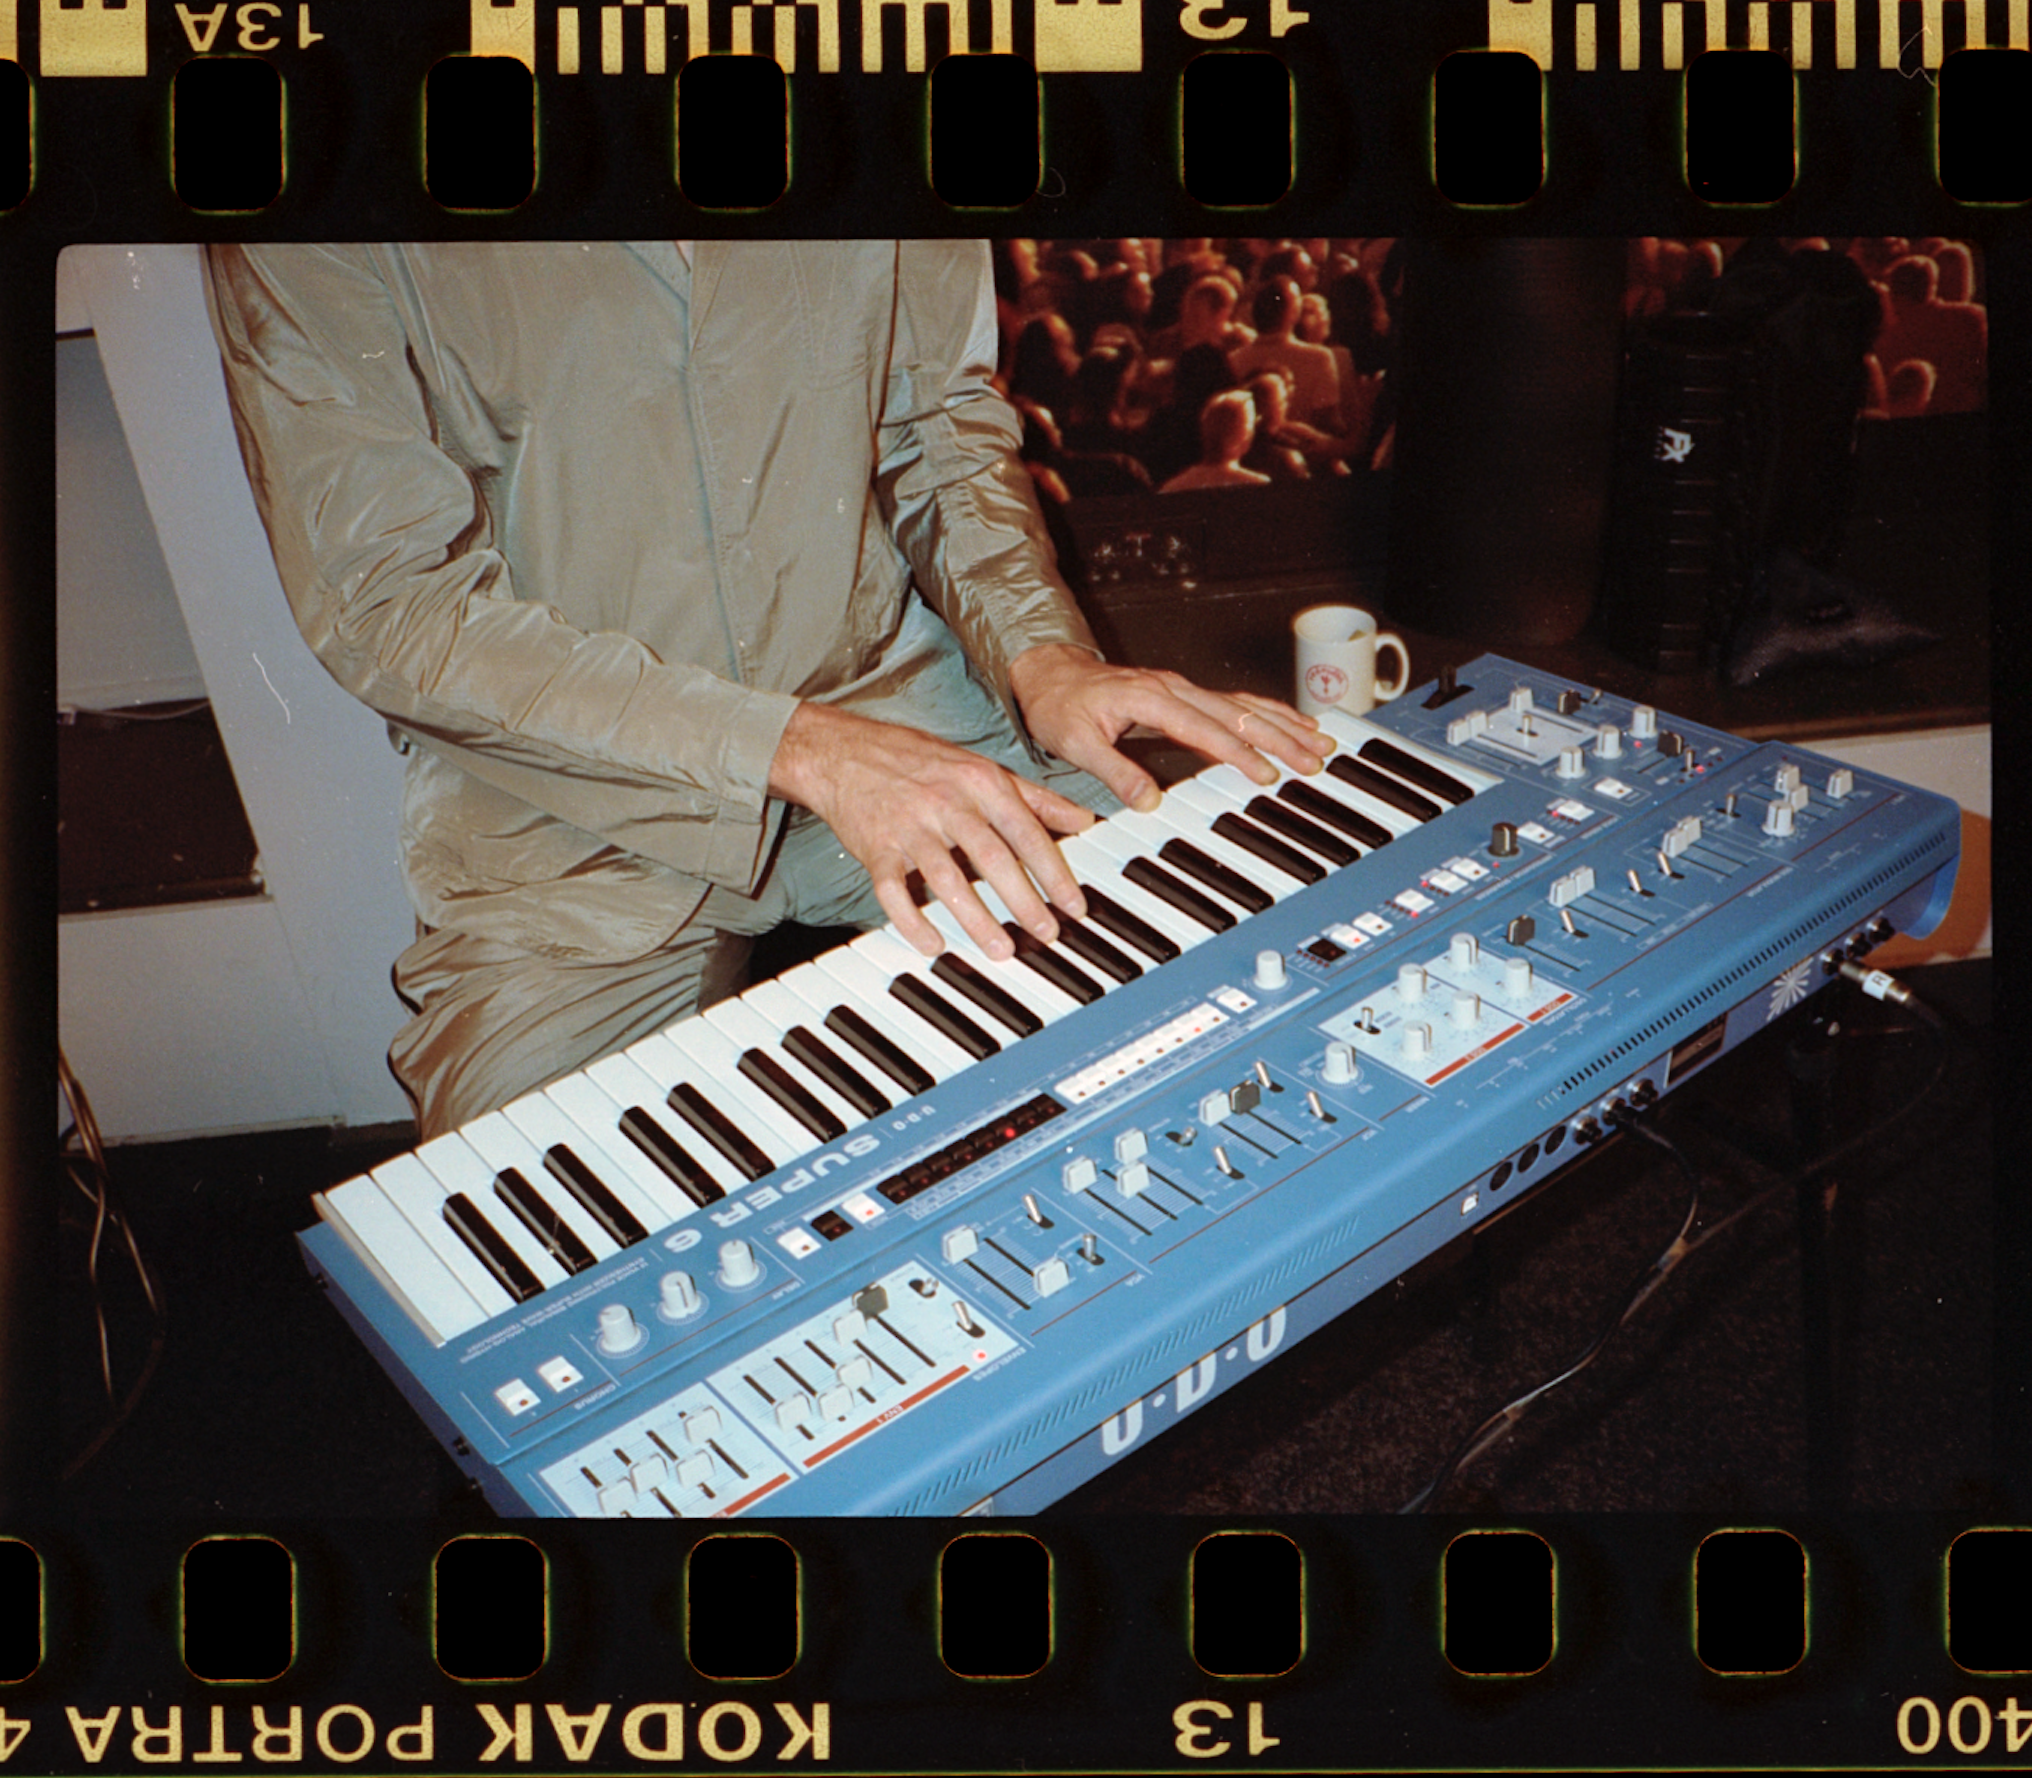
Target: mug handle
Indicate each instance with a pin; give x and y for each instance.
(1384, 693)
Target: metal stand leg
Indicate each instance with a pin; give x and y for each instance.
(1811, 1061)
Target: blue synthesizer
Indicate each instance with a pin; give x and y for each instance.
(891, 1234)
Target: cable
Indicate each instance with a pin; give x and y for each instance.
(69, 713)
(1498, 1424)
(89, 1173)
(1490, 1432)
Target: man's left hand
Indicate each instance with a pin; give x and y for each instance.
(1078, 707)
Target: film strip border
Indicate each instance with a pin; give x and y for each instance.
(1305, 1646)
(783, 115)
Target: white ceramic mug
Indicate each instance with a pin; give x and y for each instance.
(1337, 649)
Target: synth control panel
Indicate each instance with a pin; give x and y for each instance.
(978, 1298)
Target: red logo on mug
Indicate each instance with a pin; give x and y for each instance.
(1326, 682)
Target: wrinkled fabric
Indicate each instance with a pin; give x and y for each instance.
(584, 522)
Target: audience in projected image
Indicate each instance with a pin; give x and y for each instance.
(1932, 349)
(1114, 351)
(1227, 426)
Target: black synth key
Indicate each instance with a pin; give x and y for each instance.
(1183, 856)
(991, 997)
(1095, 951)
(909, 1074)
(943, 1017)
(1132, 929)
(1282, 818)
(1414, 770)
(1384, 790)
(669, 1155)
(1038, 957)
(463, 1217)
(1311, 800)
(558, 1238)
(1182, 896)
(827, 1063)
(720, 1130)
(782, 1086)
(621, 1224)
(1268, 847)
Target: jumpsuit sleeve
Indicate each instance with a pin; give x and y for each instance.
(385, 547)
(961, 504)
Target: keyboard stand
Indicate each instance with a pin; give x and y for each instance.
(1826, 1243)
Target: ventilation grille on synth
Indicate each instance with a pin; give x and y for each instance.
(1863, 893)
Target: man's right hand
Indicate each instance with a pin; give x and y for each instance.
(902, 801)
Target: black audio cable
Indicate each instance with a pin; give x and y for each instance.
(1875, 983)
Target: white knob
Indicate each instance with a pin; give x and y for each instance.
(619, 1330)
(1269, 969)
(1572, 763)
(1467, 1010)
(678, 1297)
(1787, 778)
(1520, 700)
(1337, 1067)
(1411, 982)
(958, 1244)
(1078, 1173)
(1464, 950)
(1608, 742)
(737, 1264)
(1778, 819)
(1131, 1145)
(1517, 974)
(1134, 1179)
(1417, 1041)
(1643, 722)
(1840, 783)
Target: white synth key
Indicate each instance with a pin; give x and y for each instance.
(1352, 731)
(548, 1124)
(662, 1067)
(1187, 820)
(852, 981)
(1099, 863)
(896, 957)
(408, 1268)
(496, 1140)
(622, 1079)
(716, 1061)
(1012, 977)
(745, 1026)
(461, 1170)
(1143, 836)
(822, 995)
(1058, 947)
(1383, 814)
(592, 1110)
(418, 1196)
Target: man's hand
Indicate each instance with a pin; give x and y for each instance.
(1079, 707)
(903, 801)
